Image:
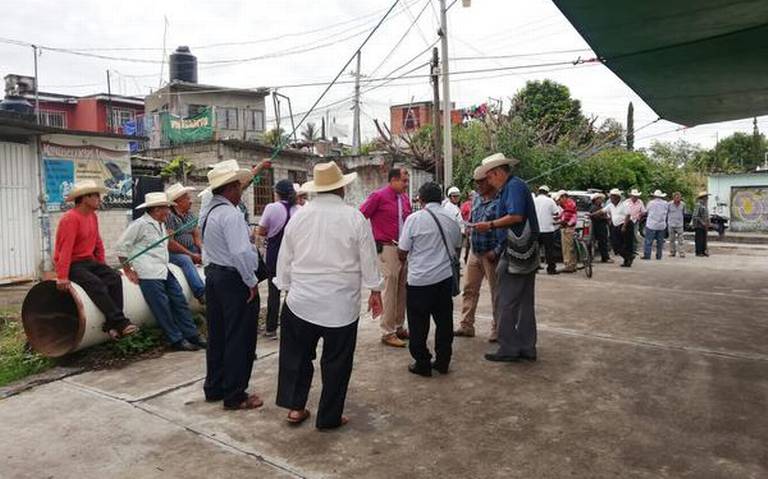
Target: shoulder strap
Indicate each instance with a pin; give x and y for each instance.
(205, 222)
(442, 235)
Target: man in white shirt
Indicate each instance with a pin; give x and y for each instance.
(327, 255)
(546, 211)
(622, 232)
(451, 204)
(655, 224)
(147, 238)
(430, 279)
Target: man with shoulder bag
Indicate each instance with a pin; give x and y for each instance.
(517, 231)
(429, 241)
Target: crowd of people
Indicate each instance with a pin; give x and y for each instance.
(321, 255)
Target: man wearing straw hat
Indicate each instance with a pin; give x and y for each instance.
(185, 244)
(655, 224)
(517, 230)
(327, 256)
(701, 222)
(232, 290)
(599, 218)
(79, 257)
(143, 241)
(622, 234)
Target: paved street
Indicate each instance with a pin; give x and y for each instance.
(657, 371)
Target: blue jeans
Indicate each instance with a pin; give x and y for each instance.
(186, 264)
(650, 237)
(169, 307)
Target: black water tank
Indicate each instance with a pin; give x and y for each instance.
(17, 104)
(183, 65)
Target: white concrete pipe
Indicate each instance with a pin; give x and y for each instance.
(58, 323)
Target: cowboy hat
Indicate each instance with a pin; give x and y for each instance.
(479, 174)
(702, 194)
(560, 193)
(157, 198)
(177, 190)
(298, 190)
(227, 172)
(658, 194)
(328, 177)
(615, 192)
(495, 161)
(85, 187)
(544, 188)
(595, 196)
(454, 191)
(634, 192)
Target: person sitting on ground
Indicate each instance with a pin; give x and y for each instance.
(568, 218)
(185, 245)
(655, 224)
(79, 257)
(599, 218)
(272, 226)
(429, 239)
(145, 241)
(327, 256)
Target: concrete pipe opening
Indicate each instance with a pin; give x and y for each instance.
(52, 321)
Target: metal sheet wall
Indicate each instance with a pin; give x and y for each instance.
(17, 217)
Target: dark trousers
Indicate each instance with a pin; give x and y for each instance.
(298, 346)
(629, 243)
(232, 330)
(547, 241)
(273, 305)
(600, 235)
(435, 300)
(701, 241)
(104, 286)
(169, 307)
(617, 240)
(515, 306)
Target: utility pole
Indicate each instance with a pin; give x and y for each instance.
(435, 72)
(447, 136)
(110, 120)
(356, 120)
(37, 88)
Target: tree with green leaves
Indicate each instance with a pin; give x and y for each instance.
(275, 137)
(310, 133)
(547, 107)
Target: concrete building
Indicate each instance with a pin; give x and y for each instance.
(409, 117)
(743, 198)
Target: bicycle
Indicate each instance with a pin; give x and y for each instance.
(584, 248)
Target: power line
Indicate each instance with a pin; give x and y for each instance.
(400, 41)
(522, 55)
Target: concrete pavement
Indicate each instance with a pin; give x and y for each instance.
(656, 371)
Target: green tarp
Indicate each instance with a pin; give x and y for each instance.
(692, 61)
(187, 130)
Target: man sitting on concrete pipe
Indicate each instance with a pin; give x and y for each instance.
(149, 269)
(79, 257)
(186, 245)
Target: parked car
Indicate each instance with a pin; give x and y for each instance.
(716, 223)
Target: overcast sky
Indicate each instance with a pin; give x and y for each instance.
(332, 29)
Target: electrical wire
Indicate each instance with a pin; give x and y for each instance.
(402, 38)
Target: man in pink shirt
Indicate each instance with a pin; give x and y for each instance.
(387, 208)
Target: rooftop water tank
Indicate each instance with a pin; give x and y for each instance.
(17, 104)
(183, 65)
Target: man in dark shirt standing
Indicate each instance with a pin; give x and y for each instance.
(517, 231)
(600, 226)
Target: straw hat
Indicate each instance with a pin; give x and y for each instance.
(634, 192)
(496, 160)
(479, 174)
(328, 177)
(596, 196)
(658, 194)
(157, 198)
(614, 192)
(454, 191)
(177, 190)
(228, 172)
(298, 190)
(544, 188)
(702, 194)
(85, 187)
(560, 193)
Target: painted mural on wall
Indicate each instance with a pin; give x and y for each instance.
(64, 165)
(749, 208)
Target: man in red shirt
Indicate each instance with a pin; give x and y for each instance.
(568, 218)
(387, 208)
(79, 257)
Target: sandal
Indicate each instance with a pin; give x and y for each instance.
(252, 402)
(296, 420)
(128, 330)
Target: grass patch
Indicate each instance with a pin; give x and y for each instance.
(16, 361)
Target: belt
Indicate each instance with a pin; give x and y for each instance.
(218, 267)
(386, 243)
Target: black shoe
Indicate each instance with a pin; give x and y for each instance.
(502, 358)
(626, 265)
(553, 272)
(646, 258)
(442, 369)
(197, 341)
(528, 355)
(184, 345)
(420, 370)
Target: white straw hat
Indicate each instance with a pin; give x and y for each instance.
(634, 192)
(85, 187)
(479, 174)
(544, 188)
(596, 196)
(702, 194)
(157, 198)
(658, 194)
(328, 177)
(177, 190)
(453, 191)
(615, 192)
(494, 161)
(560, 193)
(228, 172)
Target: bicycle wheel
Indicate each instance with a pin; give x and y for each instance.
(588, 260)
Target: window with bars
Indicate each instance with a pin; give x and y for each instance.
(254, 120)
(56, 119)
(297, 176)
(226, 118)
(263, 193)
(120, 116)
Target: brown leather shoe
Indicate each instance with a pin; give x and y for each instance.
(393, 340)
(464, 333)
(402, 333)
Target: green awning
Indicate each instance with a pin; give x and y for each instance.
(692, 61)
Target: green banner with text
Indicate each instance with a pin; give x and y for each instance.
(187, 130)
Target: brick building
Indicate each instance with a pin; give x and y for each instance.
(409, 117)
